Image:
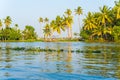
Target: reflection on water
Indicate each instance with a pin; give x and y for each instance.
(66, 65)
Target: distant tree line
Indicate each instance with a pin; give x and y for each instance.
(14, 33)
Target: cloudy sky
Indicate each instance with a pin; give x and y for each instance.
(27, 12)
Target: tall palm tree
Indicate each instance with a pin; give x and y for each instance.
(7, 21)
(40, 21)
(68, 20)
(117, 8)
(78, 12)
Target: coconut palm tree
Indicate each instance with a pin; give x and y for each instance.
(68, 12)
(78, 12)
(68, 21)
(46, 20)
(89, 22)
(40, 20)
(52, 25)
(58, 27)
(7, 21)
(47, 31)
(104, 17)
(117, 8)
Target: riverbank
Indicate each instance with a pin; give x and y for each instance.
(60, 40)
(45, 40)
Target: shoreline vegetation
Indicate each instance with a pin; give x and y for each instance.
(88, 49)
(101, 26)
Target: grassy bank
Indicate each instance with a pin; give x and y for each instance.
(45, 40)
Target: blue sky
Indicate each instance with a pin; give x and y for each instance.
(27, 12)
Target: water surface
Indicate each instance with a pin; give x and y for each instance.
(23, 65)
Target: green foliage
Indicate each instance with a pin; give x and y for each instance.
(29, 33)
(103, 25)
(10, 34)
(116, 33)
(85, 34)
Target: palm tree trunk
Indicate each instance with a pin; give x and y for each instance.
(79, 22)
(70, 32)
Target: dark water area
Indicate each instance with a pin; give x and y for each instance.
(31, 65)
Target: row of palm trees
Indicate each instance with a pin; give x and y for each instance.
(60, 23)
(102, 25)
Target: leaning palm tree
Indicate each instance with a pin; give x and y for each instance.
(78, 12)
(7, 21)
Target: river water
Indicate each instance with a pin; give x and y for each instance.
(68, 65)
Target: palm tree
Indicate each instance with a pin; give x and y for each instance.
(47, 31)
(46, 20)
(104, 18)
(58, 25)
(78, 12)
(117, 8)
(68, 12)
(68, 20)
(89, 22)
(40, 21)
(104, 15)
(7, 21)
(1, 24)
(52, 25)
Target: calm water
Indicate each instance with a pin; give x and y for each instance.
(22, 65)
